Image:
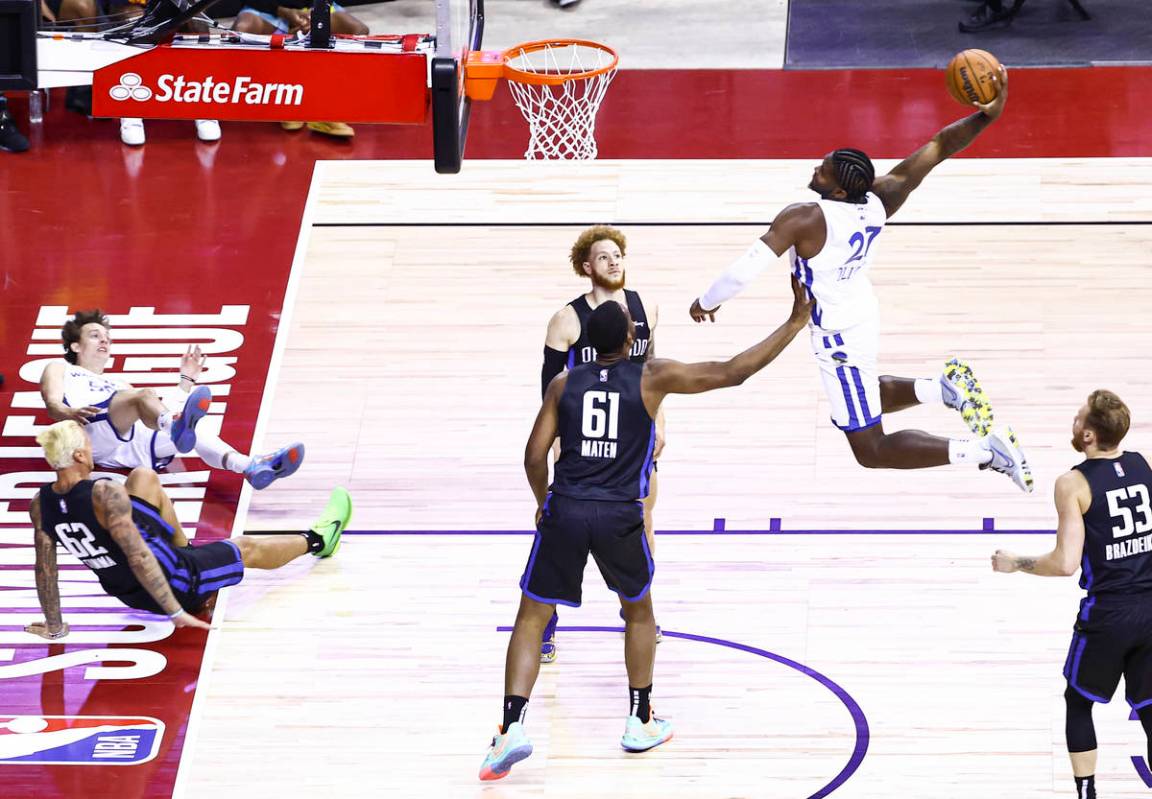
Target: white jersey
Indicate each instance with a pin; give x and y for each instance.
(83, 388)
(838, 277)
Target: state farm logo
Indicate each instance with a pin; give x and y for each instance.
(177, 89)
(130, 86)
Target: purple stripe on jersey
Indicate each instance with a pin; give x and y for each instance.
(223, 582)
(231, 568)
(147, 511)
(839, 339)
(827, 345)
(1086, 569)
(853, 422)
(1086, 608)
(646, 469)
(868, 417)
(1076, 669)
(571, 357)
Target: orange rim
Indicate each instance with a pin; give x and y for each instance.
(555, 79)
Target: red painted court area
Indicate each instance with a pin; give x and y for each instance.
(186, 228)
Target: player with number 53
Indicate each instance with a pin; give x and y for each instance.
(1105, 531)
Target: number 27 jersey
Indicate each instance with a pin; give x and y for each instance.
(606, 435)
(838, 276)
(1118, 526)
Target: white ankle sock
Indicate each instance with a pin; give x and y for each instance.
(236, 462)
(213, 451)
(968, 450)
(164, 421)
(928, 391)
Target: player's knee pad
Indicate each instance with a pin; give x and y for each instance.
(1079, 730)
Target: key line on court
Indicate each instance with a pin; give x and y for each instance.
(859, 720)
(720, 529)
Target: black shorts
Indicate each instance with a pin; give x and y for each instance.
(1110, 638)
(194, 572)
(570, 529)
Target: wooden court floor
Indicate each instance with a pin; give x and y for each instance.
(858, 645)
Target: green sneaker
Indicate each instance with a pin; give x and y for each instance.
(331, 524)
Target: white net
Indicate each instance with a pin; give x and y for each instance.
(562, 117)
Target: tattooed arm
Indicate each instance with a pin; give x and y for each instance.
(1073, 497)
(47, 581)
(114, 511)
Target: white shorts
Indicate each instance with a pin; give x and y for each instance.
(141, 447)
(847, 361)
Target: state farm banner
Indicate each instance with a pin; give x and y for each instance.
(241, 84)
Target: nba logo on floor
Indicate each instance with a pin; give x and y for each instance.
(79, 740)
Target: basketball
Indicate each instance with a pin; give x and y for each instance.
(970, 77)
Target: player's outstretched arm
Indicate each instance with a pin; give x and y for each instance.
(1072, 498)
(893, 189)
(47, 581)
(791, 226)
(672, 377)
(114, 511)
(544, 432)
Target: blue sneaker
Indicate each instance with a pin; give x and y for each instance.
(183, 429)
(507, 750)
(640, 737)
(265, 469)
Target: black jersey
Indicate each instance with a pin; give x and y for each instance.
(71, 519)
(1118, 525)
(606, 435)
(582, 350)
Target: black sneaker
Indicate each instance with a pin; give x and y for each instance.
(79, 99)
(987, 17)
(11, 139)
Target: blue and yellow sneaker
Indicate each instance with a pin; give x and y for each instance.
(962, 392)
(330, 526)
(506, 751)
(183, 429)
(265, 469)
(640, 736)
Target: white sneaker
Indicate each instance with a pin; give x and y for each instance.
(132, 131)
(207, 130)
(1008, 458)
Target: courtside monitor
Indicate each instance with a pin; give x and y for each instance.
(18, 44)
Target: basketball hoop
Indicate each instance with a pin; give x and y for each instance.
(558, 86)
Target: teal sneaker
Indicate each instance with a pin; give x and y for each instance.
(640, 737)
(331, 524)
(506, 751)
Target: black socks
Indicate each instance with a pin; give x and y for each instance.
(640, 703)
(315, 542)
(513, 711)
(1086, 787)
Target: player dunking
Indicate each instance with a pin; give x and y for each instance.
(131, 427)
(1104, 507)
(604, 413)
(830, 244)
(598, 254)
